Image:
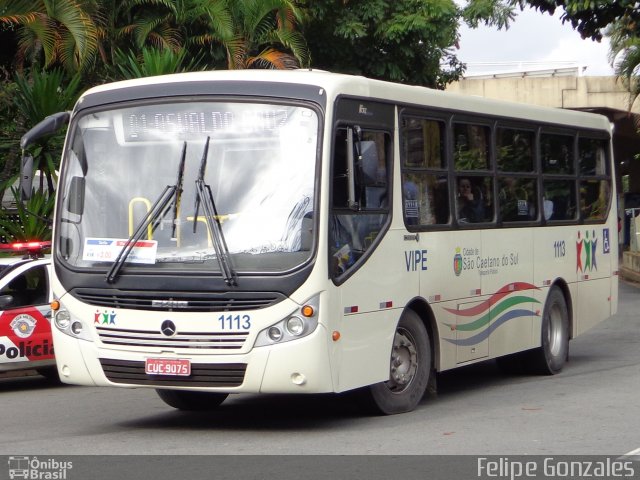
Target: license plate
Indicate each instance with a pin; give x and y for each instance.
(168, 366)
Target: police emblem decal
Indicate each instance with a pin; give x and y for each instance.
(23, 325)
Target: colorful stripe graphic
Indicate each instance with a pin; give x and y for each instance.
(488, 318)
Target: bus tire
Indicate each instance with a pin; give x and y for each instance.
(551, 356)
(191, 401)
(409, 370)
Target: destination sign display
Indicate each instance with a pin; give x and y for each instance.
(183, 122)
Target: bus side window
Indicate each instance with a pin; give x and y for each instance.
(559, 199)
(518, 197)
(425, 186)
(595, 189)
(354, 229)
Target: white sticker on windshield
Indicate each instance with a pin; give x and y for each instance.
(108, 249)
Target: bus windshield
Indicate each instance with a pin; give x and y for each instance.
(256, 162)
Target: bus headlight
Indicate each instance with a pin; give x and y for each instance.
(299, 324)
(295, 326)
(62, 319)
(68, 326)
(274, 334)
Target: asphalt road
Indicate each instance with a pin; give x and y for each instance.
(591, 408)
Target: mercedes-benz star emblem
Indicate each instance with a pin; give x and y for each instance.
(168, 328)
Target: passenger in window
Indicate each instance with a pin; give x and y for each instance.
(514, 200)
(470, 203)
(548, 208)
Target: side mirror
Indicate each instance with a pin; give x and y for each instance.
(49, 125)
(26, 177)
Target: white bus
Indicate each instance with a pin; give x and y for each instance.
(305, 232)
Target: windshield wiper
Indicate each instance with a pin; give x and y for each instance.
(205, 197)
(158, 210)
(178, 192)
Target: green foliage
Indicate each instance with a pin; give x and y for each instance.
(488, 12)
(625, 56)
(265, 35)
(591, 17)
(30, 221)
(43, 93)
(403, 41)
(37, 96)
(153, 62)
(8, 125)
(63, 31)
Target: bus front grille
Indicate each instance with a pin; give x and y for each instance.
(202, 374)
(188, 340)
(177, 301)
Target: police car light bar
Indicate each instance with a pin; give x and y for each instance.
(34, 248)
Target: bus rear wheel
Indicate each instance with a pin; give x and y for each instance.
(409, 369)
(191, 401)
(552, 355)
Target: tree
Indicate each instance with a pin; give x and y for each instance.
(591, 18)
(409, 41)
(153, 62)
(216, 33)
(35, 97)
(265, 35)
(625, 56)
(61, 30)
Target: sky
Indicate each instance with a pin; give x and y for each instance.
(533, 37)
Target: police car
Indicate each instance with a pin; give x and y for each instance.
(25, 311)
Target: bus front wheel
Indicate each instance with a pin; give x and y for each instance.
(191, 401)
(409, 370)
(552, 355)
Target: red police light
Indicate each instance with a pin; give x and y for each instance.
(32, 249)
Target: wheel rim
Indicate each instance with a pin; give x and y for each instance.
(555, 333)
(404, 361)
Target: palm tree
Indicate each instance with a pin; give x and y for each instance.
(37, 96)
(133, 26)
(624, 55)
(266, 35)
(253, 33)
(152, 62)
(63, 31)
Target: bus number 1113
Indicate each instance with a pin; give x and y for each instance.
(234, 322)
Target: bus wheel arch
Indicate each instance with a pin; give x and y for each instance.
(424, 311)
(410, 367)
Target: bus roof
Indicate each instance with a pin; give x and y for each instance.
(340, 84)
